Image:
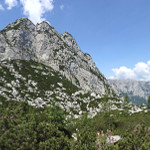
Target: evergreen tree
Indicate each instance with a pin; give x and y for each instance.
(125, 104)
(126, 98)
(148, 102)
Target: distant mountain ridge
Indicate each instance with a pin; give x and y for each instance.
(138, 91)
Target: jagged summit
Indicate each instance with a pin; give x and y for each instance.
(42, 43)
(68, 38)
(23, 22)
(44, 26)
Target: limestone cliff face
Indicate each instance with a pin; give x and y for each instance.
(42, 43)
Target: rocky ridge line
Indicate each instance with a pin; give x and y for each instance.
(42, 43)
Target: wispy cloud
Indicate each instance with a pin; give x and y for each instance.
(11, 3)
(141, 72)
(1, 7)
(61, 7)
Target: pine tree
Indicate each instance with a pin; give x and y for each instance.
(125, 104)
(148, 102)
(126, 98)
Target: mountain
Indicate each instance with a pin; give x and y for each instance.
(41, 66)
(42, 43)
(138, 91)
(52, 95)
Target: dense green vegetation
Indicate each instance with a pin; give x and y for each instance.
(24, 127)
(133, 130)
(148, 102)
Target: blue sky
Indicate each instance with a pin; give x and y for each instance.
(116, 33)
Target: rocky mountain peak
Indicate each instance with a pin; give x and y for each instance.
(23, 23)
(42, 43)
(43, 26)
(68, 38)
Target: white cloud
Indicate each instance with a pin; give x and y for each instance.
(1, 7)
(35, 9)
(141, 71)
(11, 3)
(61, 7)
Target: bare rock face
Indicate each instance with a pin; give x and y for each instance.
(16, 39)
(42, 43)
